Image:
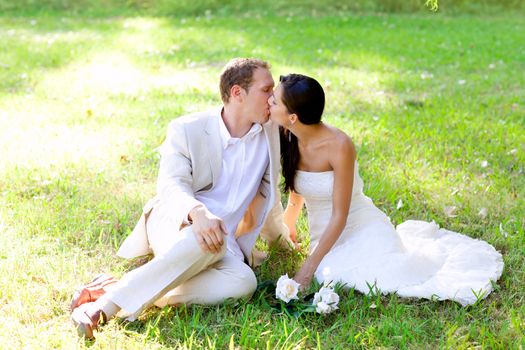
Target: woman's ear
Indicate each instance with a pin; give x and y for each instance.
(293, 118)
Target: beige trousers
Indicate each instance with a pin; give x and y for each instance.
(180, 272)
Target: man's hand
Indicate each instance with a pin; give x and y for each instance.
(209, 229)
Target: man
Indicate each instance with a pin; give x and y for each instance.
(217, 190)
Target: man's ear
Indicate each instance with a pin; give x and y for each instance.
(236, 92)
(293, 118)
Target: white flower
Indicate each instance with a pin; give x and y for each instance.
(287, 289)
(323, 308)
(325, 300)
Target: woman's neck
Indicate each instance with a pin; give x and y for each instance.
(308, 135)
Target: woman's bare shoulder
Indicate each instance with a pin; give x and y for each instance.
(341, 141)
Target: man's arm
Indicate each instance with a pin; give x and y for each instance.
(174, 182)
(174, 186)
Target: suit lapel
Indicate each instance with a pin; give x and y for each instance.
(214, 144)
(272, 138)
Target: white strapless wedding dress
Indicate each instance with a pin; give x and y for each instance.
(416, 259)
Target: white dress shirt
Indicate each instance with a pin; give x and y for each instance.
(244, 161)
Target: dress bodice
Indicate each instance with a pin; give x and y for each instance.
(317, 189)
(319, 185)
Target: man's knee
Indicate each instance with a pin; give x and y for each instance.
(186, 248)
(247, 284)
(188, 230)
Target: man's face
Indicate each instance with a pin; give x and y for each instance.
(256, 98)
(278, 112)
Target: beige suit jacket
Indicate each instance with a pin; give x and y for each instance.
(191, 159)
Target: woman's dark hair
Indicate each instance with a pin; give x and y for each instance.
(303, 96)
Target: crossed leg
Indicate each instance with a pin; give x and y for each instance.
(180, 272)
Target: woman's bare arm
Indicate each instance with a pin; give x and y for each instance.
(291, 214)
(343, 163)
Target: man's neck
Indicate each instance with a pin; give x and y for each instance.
(237, 125)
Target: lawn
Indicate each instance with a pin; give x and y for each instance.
(435, 104)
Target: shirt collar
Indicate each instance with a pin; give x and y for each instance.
(227, 139)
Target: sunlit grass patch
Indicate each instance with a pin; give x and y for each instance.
(434, 104)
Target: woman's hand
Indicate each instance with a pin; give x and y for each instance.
(293, 232)
(304, 278)
(293, 235)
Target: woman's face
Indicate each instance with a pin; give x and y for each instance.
(278, 112)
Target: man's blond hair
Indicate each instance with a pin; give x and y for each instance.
(239, 71)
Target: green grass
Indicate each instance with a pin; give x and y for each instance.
(101, 8)
(85, 101)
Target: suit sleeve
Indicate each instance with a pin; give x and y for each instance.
(174, 183)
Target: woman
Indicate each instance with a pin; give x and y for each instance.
(352, 241)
